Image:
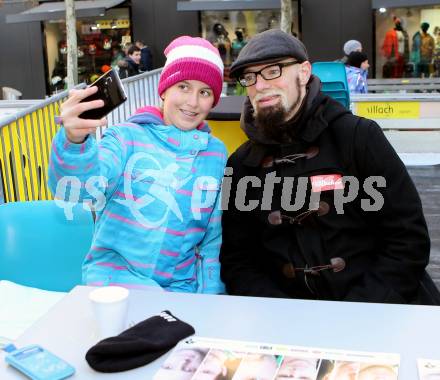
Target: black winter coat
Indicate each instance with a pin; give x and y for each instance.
(377, 256)
(146, 59)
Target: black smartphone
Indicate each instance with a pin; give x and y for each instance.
(110, 90)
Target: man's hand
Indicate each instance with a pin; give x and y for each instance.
(78, 129)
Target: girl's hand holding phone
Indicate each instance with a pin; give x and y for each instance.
(77, 129)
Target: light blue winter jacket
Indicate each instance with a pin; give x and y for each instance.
(157, 193)
(357, 80)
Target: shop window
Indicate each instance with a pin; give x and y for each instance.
(101, 41)
(408, 42)
(230, 31)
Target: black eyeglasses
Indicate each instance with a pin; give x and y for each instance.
(270, 72)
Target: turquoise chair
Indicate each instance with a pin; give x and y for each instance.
(40, 247)
(334, 80)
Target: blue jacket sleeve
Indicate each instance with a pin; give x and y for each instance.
(208, 254)
(208, 270)
(84, 172)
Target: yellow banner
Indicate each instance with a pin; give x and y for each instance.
(104, 24)
(113, 24)
(388, 110)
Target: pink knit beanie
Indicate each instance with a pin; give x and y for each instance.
(192, 58)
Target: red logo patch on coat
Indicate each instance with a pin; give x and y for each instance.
(326, 182)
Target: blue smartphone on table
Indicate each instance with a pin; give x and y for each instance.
(39, 364)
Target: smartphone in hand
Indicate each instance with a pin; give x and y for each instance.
(110, 90)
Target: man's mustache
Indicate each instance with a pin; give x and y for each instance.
(263, 95)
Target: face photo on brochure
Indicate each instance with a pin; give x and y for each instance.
(199, 358)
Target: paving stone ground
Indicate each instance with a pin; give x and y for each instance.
(427, 181)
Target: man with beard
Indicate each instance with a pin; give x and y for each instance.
(317, 203)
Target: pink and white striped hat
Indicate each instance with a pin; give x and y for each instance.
(192, 58)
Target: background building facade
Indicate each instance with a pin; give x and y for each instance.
(32, 51)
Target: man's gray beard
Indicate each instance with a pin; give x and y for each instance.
(272, 120)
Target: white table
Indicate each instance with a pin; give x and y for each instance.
(68, 329)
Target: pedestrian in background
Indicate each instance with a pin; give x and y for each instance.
(357, 72)
(349, 47)
(131, 63)
(146, 63)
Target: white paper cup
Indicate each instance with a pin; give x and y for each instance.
(110, 305)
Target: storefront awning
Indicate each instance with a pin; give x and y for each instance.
(226, 5)
(376, 4)
(57, 10)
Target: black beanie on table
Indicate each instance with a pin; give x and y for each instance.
(139, 345)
